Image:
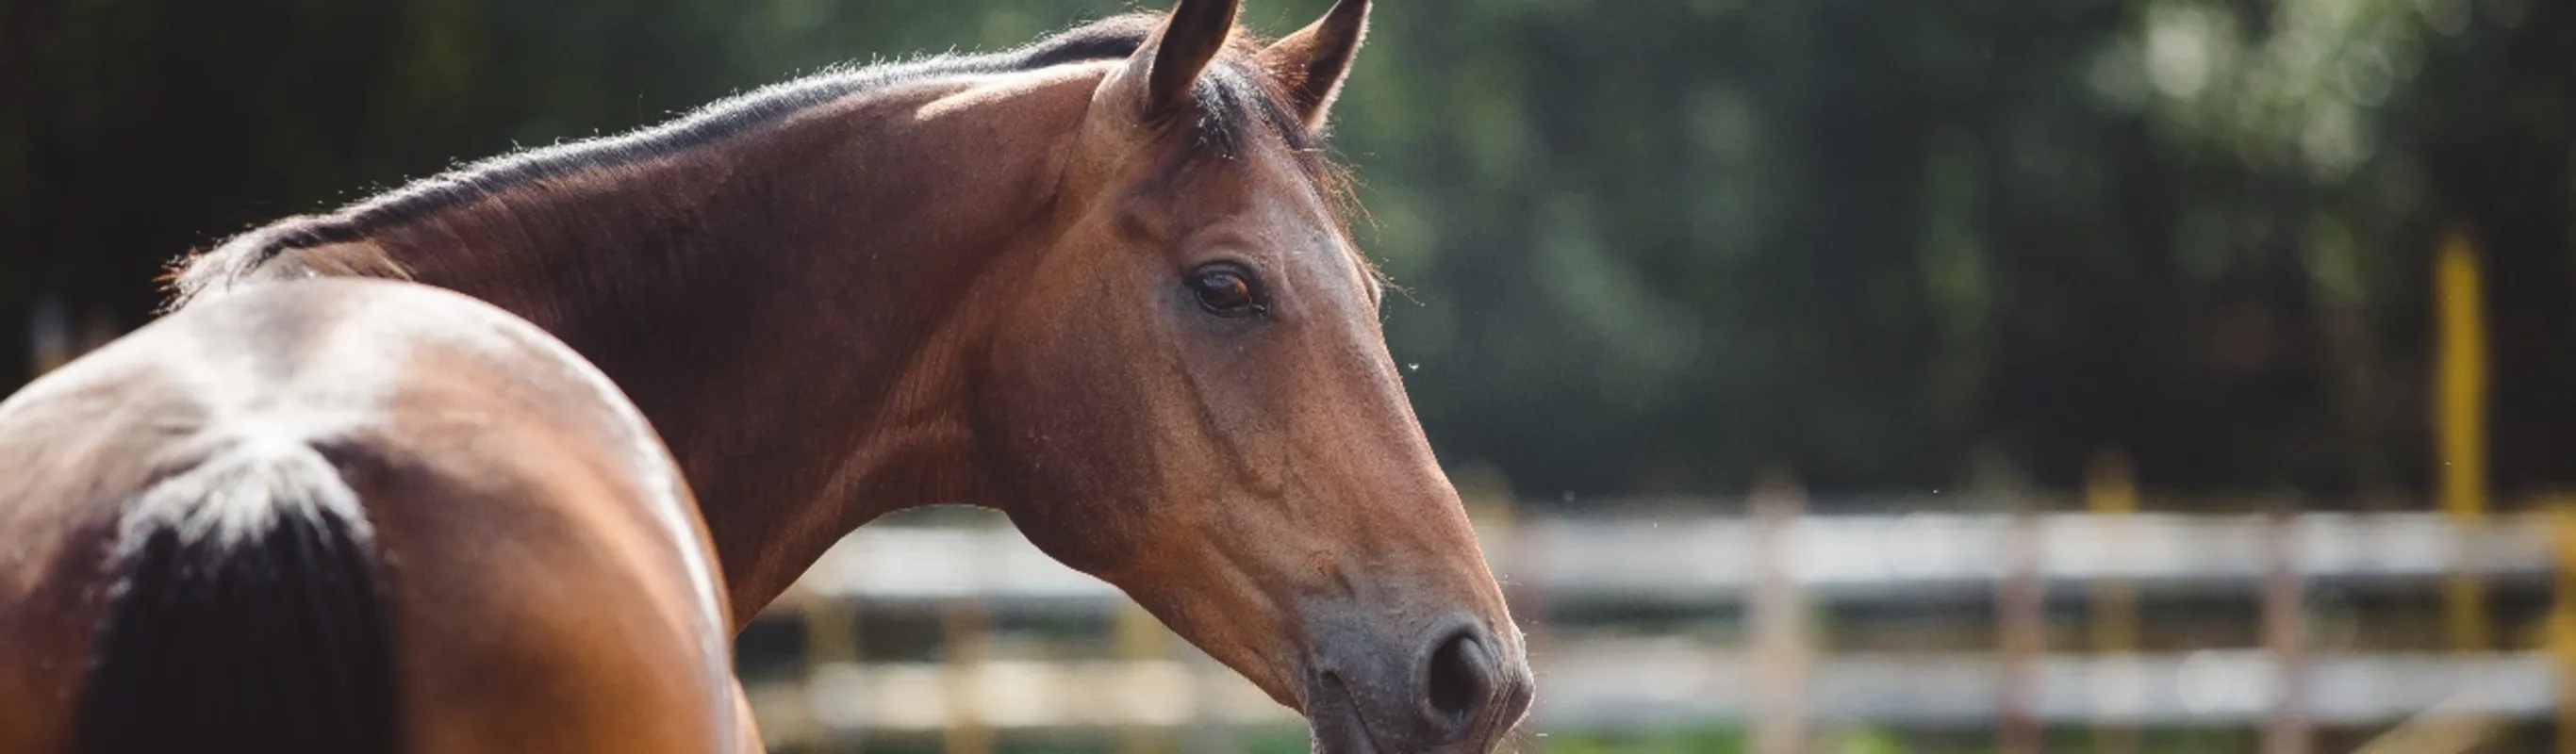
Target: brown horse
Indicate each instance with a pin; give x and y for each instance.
(1099, 283)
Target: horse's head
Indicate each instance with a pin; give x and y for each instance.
(1189, 395)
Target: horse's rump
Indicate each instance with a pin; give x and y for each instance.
(248, 614)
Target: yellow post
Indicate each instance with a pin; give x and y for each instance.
(967, 629)
(2562, 619)
(2460, 423)
(1140, 638)
(831, 638)
(2111, 492)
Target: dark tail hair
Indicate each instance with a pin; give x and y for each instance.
(249, 615)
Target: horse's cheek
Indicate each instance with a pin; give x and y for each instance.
(1070, 460)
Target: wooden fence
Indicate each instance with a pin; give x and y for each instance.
(1773, 571)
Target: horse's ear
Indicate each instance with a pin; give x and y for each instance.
(1311, 63)
(1169, 63)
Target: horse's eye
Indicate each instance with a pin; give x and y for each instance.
(1225, 291)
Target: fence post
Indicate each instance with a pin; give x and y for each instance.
(831, 638)
(49, 336)
(2111, 492)
(1211, 727)
(2460, 421)
(2285, 632)
(966, 627)
(2022, 634)
(2562, 618)
(1139, 638)
(1778, 622)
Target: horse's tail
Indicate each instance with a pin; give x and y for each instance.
(248, 615)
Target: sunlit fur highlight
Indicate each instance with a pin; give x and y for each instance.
(1236, 103)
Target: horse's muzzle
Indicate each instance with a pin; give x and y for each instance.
(1459, 689)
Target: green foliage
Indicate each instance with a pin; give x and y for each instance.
(1644, 247)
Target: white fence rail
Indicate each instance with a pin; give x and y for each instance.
(1614, 685)
(1686, 560)
(1600, 683)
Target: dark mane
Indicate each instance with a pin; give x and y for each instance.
(1233, 105)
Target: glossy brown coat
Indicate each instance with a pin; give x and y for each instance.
(1099, 283)
(546, 576)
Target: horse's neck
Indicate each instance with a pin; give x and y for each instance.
(789, 329)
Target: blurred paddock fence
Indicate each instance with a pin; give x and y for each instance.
(1778, 626)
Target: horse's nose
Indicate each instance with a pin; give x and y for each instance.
(1472, 689)
(1456, 688)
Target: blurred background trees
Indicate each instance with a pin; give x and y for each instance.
(1644, 247)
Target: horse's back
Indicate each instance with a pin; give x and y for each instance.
(543, 579)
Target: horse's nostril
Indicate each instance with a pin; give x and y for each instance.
(1461, 671)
